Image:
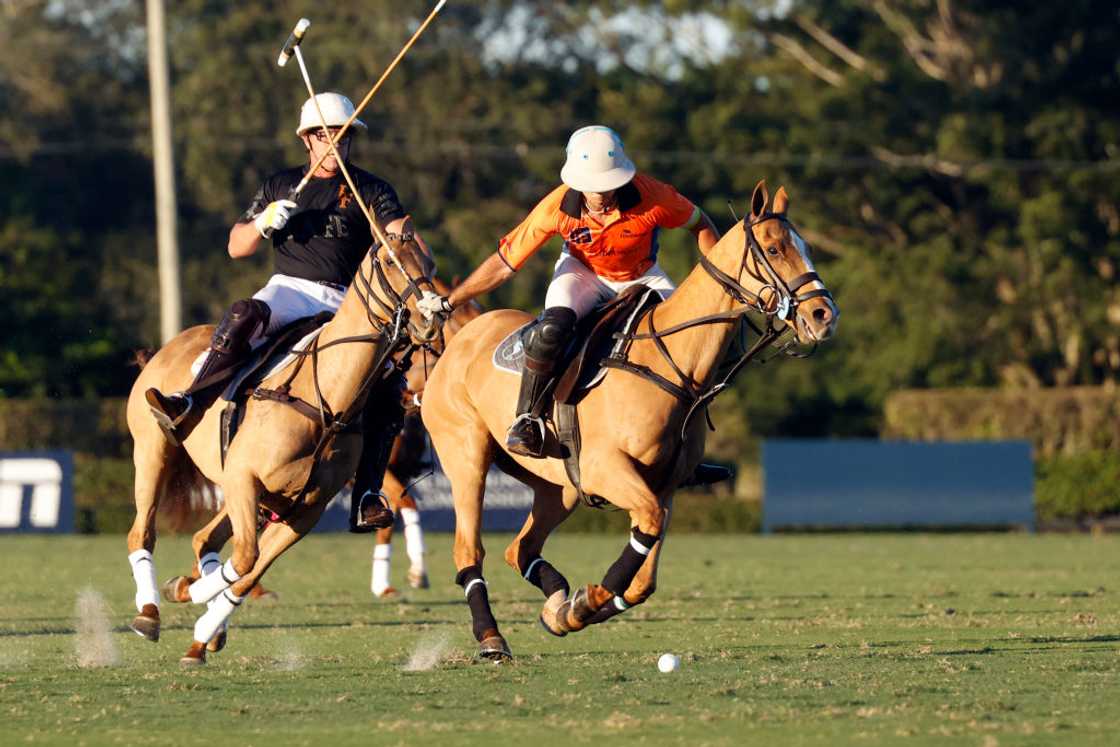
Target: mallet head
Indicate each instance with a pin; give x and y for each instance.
(294, 39)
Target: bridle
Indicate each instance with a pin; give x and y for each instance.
(776, 299)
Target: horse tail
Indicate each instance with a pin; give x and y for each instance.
(141, 357)
(189, 498)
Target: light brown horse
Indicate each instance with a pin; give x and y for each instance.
(403, 463)
(270, 462)
(633, 453)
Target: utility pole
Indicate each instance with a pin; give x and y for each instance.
(167, 233)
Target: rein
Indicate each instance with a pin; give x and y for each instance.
(391, 335)
(775, 300)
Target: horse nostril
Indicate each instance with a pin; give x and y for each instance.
(821, 315)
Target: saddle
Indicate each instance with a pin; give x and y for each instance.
(580, 368)
(277, 352)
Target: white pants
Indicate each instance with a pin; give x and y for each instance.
(290, 298)
(577, 287)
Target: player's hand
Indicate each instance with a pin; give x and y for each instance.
(274, 217)
(431, 304)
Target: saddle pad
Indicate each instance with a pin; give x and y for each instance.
(259, 372)
(509, 356)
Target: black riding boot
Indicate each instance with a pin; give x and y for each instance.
(381, 422)
(228, 347)
(544, 344)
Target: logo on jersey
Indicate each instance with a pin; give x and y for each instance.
(580, 235)
(344, 197)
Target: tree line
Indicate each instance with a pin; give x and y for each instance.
(954, 165)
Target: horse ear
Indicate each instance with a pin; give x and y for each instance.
(781, 201)
(759, 199)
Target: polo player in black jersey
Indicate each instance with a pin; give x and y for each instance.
(319, 244)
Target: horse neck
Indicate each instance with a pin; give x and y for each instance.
(342, 368)
(697, 350)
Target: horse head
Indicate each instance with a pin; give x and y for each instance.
(405, 269)
(780, 260)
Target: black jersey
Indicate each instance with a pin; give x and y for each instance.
(327, 236)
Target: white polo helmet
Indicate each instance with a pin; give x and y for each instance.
(336, 110)
(596, 161)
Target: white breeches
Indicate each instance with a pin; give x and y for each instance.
(577, 287)
(290, 298)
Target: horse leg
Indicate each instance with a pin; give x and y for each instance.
(152, 460)
(275, 540)
(551, 506)
(383, 548)
(644, 583)
(207, 542)
(241, 506)
(467, 474)
(648, 518)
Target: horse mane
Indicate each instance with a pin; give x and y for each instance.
(141, 357)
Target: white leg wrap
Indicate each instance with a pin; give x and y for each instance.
(620, 604)
(413, 538)
(381, 564)
(209, 563)
(208, 587)
(216, 616)
(144, 574)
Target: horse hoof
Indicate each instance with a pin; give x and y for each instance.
(146, 624)
(418, 579)
(175, 589)
(261, 594)
(195, 656)
(218, 642)
(583, 605)
(551, 619)
(387, 593)
(494, 648)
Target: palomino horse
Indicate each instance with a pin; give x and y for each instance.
(638, 440)
(403, 463)
(282, 460)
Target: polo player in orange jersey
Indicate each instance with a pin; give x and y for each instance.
(609, 216)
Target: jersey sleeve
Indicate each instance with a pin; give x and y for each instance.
(383, 201)
(539, 226)
(260, 201)
(674, 210)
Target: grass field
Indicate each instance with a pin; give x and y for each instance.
(833, 639)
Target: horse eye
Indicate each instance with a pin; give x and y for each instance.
(772, 250)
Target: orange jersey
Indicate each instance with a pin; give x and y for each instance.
(621, 247)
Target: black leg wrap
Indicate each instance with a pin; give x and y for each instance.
(545, 577)
(381, 422)
(620, 574)
(478, 599)
(606, 612)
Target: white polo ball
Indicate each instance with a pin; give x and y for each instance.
(669, 663)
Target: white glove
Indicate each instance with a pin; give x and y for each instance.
(274, 217)
(431, 304)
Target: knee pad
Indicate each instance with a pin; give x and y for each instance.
(240, 323)
(547, 337)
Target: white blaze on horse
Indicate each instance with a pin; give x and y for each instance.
(288, 459)
(640, 427)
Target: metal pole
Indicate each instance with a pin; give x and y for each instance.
(170, 304)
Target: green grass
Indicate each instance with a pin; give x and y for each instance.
(831, 639)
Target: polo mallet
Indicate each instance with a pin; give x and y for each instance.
(358, 110)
